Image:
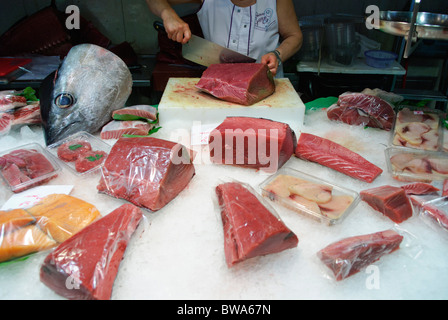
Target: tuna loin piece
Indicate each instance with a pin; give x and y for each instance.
(362, 109)
(252, 142)
(335, 156)
(390, 201)
(250, 229)
(241, 83)
(146, 171)
(91, 257)
(116, 129)
(350, 255)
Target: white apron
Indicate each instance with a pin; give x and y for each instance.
(252, 31)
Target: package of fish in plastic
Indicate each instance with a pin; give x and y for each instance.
(311, 196)
(435, 213)
(82, 153)
(348, 256)
(146, 171)
(27, 166)
(361, 109)
(44, 225)
(251, 227)
(418, 128)
(407, 164)
(84, 267)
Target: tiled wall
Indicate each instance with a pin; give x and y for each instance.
(131, 20)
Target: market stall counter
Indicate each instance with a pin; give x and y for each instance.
(178, 251)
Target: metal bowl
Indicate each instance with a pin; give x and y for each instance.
(428, 25)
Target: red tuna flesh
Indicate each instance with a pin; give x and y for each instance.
(419, 188)
(116, 129)
(146, 171)
(362, 109)
(247, 142)
(390, 201)
(135, 113)
(335, 156)
(241, 83)
(71, 150)
(250, 229)
(88, 261)
(350, 255)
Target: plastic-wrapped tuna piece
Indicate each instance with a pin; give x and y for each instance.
(85, 265)
(241, 83)
(350, 255)
(250, 228)
(146, 171)
(252, 142)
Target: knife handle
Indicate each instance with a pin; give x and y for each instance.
(158, 26)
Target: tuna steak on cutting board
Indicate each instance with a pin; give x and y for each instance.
(391, 201)
(182, 97)
(252, 142)
(250, 229)
(146, 171)
(335, 156)
(350, 255)
(241, 83)
(85, 265)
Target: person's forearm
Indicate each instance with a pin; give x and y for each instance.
(159, 7)
(289, 46)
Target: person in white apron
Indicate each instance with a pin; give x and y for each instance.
(266, 30)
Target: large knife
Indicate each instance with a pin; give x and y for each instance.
(205, 52)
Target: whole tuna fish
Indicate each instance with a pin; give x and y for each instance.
(91, 83)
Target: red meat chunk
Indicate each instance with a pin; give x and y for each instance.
(241, 83)
(390, 201)
(146, 171)
(252, 142)
(70, 151)
(350, 255)
(250, 229)
(90, 160)
(85, 265)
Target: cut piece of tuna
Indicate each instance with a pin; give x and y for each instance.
(362, 109)
(241, 83)
(146, 171)
(335, 156)
(390, 201)
(250, 229)
(252, 142)
(85, 265)
(116, 129)
(136, 112)
(419, 188)
(90, 160)
(71, 150)
(350, 255)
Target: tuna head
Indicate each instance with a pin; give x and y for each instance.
(91, 83)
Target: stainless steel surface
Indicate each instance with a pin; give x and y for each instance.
(205, 53)
(428, 25)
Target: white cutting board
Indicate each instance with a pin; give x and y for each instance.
(183, 105)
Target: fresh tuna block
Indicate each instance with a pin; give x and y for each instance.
(71, 150)
(252, 142)
(362, 109)
(335, 156)
(137, 112)
(90, 160)
(146, 171)
(116, 129)
(85, 265)
(241, 83)
(350, 255)
(250, 229)
(390, 201)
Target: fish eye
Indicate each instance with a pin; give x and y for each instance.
(64, 100)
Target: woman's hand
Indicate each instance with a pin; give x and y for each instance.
(270, 59)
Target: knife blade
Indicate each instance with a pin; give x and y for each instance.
(205, 53)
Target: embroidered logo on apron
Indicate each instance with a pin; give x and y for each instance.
(264, 20)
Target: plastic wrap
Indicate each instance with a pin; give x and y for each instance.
(406, 164)
(418, 129)
(146, 171)
(27, 166)
(82, 153)
(435, 213)
(309, 195)
(251, 227)
(53, 220)
(85, 265)
(349, 256)
(362, 109)
(391, 201)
